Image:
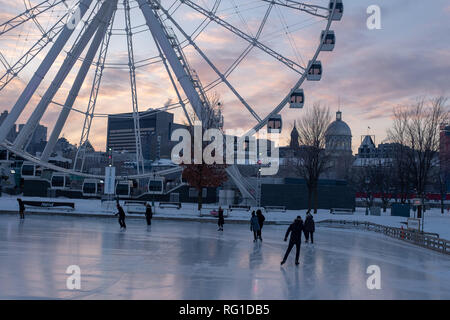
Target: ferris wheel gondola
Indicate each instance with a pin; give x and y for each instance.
(297, 99)
(329, 40)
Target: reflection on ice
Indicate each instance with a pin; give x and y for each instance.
(179, 260)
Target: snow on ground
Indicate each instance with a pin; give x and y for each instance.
(434, 221)
(191, 260)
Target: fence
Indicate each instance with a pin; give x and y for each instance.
(426, 239)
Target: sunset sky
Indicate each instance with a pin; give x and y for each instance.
(368, 74)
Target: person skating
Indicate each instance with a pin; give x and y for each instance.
(148, 214)
(309, 228)
(221, 220)
(295, 229)
(261, 220)
(121, 215)
(254, 226)
(21, 208)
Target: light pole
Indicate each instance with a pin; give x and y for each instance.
(368, 195)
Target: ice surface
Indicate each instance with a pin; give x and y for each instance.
(190, 260)
(434, 220)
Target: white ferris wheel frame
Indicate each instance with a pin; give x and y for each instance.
(171, 54)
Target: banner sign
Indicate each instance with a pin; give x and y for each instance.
(110, 180)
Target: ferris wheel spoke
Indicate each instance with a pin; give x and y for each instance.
(252, 40)
(134, 95)
(203, 55)
(172, 80)
(14, 69)
(89, 115)
(318, 11)
(29, 14)
(62, 74)
(170, 46)
(247, 50)
(39, 75)
(81, 76)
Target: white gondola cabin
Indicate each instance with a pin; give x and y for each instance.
(156, 185)
(297, 99)
(315, 71)
(275, 124)
(339, 12)
(60, 181)
(124, 189)
(92, 187)
(30, 170)
(330, 40)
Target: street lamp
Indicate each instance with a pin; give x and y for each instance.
(368, 195)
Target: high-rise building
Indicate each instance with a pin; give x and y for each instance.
(12, 133)
(156, 129)
(39, 134)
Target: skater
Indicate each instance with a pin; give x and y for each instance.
(21, 208)
(254, 226)
(221, 220)
(121, 214)
(295, 229)
(261, 220)
(148, 214)
(309, 228)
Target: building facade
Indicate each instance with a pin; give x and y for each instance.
(156, 130)
(338, 137)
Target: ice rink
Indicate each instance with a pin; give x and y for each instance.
(188, 260)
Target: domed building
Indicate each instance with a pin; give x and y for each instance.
(338, 137)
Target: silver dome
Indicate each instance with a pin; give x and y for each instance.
(338, 127)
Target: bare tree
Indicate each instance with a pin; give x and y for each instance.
(200, 176)
(416, 128)
(363, 179)
(401, 172)
(311, 159)
(383, 182)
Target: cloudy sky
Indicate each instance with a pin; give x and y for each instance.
(368, 74)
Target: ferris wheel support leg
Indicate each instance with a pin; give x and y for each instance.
(62, 74)
(209, 62)
(183, 78)
(79, 80)
(95, 89)
(172, 80)
(134, 94)
(40, 74)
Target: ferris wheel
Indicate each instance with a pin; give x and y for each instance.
(66, 47)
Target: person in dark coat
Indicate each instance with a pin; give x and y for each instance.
(121, 215)
(148, 214)
(221, 220)
(254, 226)
(309, 228)
(21, 208)
(295, 229)
(261, 220)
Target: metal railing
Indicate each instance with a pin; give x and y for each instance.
(426, 239)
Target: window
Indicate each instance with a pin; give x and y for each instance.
(193, 193)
